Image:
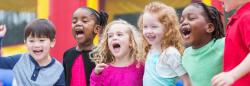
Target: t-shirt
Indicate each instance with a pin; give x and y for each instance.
(203, 63)
(130, 75)
(237, 42)
(162, 69)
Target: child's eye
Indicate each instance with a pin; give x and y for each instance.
(31, 41)
(41, 40)
(154, 26)
(74, 20)
(110, 35)
(119, 34)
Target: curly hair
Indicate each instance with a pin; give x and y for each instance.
(168, 18)
(102, 54)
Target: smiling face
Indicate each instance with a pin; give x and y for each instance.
(39, 47)
(153, 30)
(119, 40)
(83, 25)
(194, 26)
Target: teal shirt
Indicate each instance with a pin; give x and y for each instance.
(203, 63)
(151, 78)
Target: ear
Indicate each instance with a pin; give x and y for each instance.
(97, 29)
(210, 28)
(53, 42)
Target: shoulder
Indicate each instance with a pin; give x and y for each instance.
(220, 42)
(171, 51)
(68, 53)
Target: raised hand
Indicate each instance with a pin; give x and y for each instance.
(3, 30)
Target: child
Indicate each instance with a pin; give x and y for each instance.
(37, 67)
(163, 41)
(202, 29)
(86, 23)
(236, 71)
(118, 57)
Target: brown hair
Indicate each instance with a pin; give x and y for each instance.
(40, 28)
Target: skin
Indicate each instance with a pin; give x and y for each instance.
(228, 78)
(192, 19)
(84, 21)
(153, 31)
(118, 34)
(34, 44)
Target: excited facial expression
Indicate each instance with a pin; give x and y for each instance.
(39, 48)
(83, 25)
(153, 30)
(193, 26)
(119, 40)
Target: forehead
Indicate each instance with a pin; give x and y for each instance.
(117, 27)
(83, 12)
(192, 10)
(148, 15)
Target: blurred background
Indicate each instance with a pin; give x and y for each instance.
(15, 14)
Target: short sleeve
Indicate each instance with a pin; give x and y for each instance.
(169, 64)
(245, 29)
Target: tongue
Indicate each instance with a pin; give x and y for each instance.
(116, 50)
(79, 35)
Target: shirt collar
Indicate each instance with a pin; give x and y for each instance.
(38, 66)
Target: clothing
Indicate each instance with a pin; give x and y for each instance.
(204, 63)
(162, 69)
(130, 75)
(69, 59)
(237, 43)
(77, 69)
(27, 71)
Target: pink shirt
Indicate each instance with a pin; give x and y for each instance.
(118, 76)
(78, 74)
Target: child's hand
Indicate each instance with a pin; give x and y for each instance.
(2, 30)
(223, 79)
(99, 68)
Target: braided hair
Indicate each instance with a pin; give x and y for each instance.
(101, 17)
(214, 16)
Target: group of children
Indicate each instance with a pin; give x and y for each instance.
(152, 55)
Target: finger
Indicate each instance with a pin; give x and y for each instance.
(221, 83)
(216, 81)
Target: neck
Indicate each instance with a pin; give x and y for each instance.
(45, 61)
(202, 43)
(82, 47)
(156, 48)
(123, 61)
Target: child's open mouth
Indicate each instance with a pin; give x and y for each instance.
(38, 52)
(116, 47)
(79, 33)
(151, 38)
(185, 32)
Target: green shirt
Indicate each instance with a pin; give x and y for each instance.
(203, 63)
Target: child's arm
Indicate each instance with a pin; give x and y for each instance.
(95, 78)
(2, 34)
(186, 80)
(228, 78)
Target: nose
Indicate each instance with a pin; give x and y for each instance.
(184, 22)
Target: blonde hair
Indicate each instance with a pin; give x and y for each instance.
(102, 54)
(168, 18)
